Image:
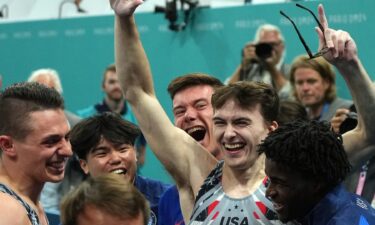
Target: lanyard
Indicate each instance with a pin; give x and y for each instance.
(362, 178)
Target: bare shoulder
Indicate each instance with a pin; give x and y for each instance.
(11, 211)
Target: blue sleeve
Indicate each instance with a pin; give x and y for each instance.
(169, 208)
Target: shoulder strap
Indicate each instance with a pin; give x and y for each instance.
(33, 216)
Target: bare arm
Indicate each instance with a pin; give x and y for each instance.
(343, 54)
(182, 156)
(12, 212)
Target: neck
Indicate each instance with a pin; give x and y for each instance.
(20, 183)
(114, 105)
(241, 183)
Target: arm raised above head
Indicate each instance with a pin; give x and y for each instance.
(183, 157)
(343, 55)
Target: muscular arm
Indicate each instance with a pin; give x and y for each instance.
(358, 142)
(343, 54)
(182, 156)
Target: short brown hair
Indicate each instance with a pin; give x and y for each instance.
(19, 100)
(321, 66)
(247, 94)
(110, 193)
(112, 68)
(192, 79)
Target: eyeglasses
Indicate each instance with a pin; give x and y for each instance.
(324, 49)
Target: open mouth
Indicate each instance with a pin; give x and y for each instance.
(119, 171)
(57, 165)
(277, 206)
(197, 132)
(234, 146)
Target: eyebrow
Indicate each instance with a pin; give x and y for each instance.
(195, 102)
(52, 137)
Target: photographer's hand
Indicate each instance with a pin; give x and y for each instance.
(340, 116)
(248, 55)
(270, 64)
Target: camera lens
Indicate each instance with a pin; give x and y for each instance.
(263, 50)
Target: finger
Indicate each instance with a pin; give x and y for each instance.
(341, 111)
(320, 37)
(331, 41)
(328, 38)
(342, 38)
(322, 17)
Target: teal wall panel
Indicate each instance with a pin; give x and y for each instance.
(80, 49)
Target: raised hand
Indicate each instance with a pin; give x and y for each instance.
(342, 47)
(125, 7)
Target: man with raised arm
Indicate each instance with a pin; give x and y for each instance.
(244, 114)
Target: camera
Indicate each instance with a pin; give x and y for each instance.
(263, 50)
(349, 123)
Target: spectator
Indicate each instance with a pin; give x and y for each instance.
(114, 102)
(106, 199)
(313, 82)
(105, 144)
(34, 147)
(290, 111)
(263, 60)
(51, 78)
(306, 163)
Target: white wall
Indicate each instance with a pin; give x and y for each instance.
(21, 10)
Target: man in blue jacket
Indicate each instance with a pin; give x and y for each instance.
(306, 163)
(105, 144)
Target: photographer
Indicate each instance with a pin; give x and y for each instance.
(262, 60)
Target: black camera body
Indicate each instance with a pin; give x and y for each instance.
(263, 50)
(349, 123)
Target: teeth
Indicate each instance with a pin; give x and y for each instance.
(118, 171)
(233, 146)
(194, 129)
(277, 206)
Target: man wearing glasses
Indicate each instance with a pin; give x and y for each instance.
(263, 60)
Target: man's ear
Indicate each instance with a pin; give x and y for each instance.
(273, 126)
(7, 146)
(84, 166)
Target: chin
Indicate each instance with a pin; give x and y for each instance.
(55, 178)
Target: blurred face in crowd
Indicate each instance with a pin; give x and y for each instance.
(46, 80)
(193, 113)
(107, 157)
(111, 86)
(310, 87)
(43, 153)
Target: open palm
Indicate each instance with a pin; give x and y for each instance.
(125, 7)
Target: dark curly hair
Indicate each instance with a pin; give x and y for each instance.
(309, 147)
